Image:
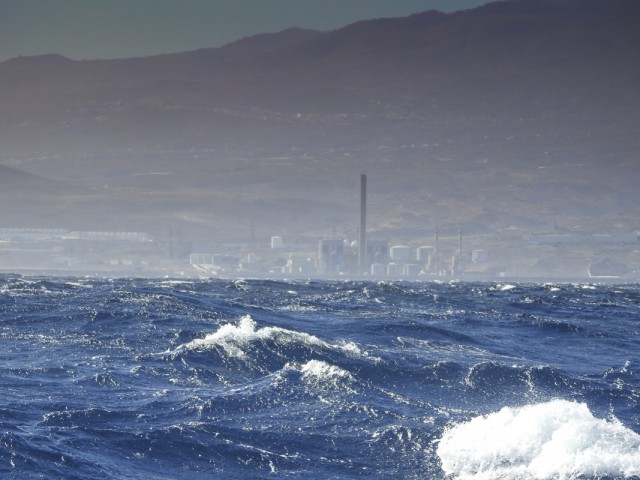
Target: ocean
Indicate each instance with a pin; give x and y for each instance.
(252, 379)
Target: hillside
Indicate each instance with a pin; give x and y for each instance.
(519, 117)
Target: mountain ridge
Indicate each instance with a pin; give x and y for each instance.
(518, 114)
(499, 28)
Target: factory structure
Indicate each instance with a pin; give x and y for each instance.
(376, 258)
(444, 257)
(338, 257)
(364, 255)
(61, 251)
(342, 257)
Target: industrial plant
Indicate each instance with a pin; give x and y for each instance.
(595, 256)
(558, 256)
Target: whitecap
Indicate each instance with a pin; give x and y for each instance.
(173, 283)
(319, 371)
(557, 440)
(235, 340)
(320, 375)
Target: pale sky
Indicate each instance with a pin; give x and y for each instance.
(86, 29)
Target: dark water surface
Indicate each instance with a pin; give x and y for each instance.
(162, 379)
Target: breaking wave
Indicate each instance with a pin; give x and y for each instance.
(236, 340)
(554, 440)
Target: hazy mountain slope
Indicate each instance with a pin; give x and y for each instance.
(507, 47)
(520, 115)
(16, 181)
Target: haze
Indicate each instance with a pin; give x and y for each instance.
(502, 138)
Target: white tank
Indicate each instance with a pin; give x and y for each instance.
(378, 270)
(400, 253)
(424, 252)
(394, 269)
(411, 270)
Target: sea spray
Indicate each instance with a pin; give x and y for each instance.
(553, 440)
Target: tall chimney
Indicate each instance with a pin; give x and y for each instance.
(362, 243)
(436, 252)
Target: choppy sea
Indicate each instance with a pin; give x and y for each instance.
(162, 379)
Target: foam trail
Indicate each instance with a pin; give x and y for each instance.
(555, 440)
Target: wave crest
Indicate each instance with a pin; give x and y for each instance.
(317, 371)
(553, 440)
(236, 340)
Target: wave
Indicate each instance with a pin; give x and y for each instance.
(236, 340)
(553, 440)
(319, 372)
(266, 379)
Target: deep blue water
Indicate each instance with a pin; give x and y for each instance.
(142, 379)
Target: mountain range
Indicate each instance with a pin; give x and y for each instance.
(518, 116)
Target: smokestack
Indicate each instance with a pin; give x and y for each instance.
(362, 243)
(436, 253)
(459, 269)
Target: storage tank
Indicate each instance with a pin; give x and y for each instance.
(394, 269)
(425, 252)
(378, 270)
(400, 253)
(411, 270)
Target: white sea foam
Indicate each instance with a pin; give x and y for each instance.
(79, 284)
(235, 340)
(323, 375)
(557, 440)
(173, 283)
(317, 370)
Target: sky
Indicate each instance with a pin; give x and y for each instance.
(88, 29)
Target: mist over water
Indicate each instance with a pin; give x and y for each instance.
(253, 378)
